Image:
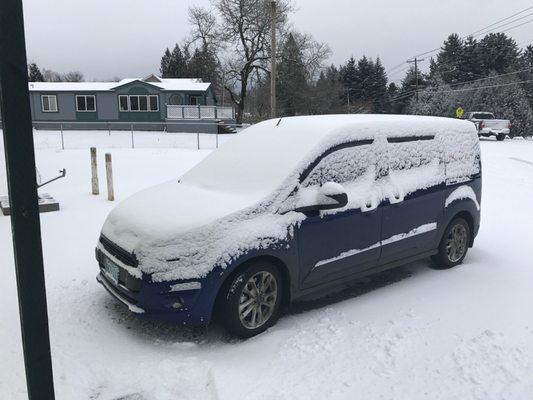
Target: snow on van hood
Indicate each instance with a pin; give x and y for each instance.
(159, 213)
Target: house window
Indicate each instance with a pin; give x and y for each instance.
(195, 100)
(49, 103)
(85, 103)
(123, 103)
(138, 103)
(134, 103)
(154, 103)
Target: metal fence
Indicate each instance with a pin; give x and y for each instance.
(127, 135)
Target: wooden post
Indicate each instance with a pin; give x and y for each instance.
(94, 172)
(109, 175)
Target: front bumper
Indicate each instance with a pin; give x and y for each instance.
(180, 302)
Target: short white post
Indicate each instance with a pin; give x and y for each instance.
(109, 128)
(94, 172)
(217, 137)
(198, 139)
(132, 141)
(109, 176)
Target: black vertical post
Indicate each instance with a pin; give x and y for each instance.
(20, 162)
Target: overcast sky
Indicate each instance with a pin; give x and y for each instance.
(118, 38)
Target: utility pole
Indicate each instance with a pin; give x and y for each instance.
(416, 61)
(22, 188)
(273, 74)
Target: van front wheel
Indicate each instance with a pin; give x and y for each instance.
(453, 245)
(251, 300)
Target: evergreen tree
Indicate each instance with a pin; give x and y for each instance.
(498, 53)
(166, 60)
(34, 73)
(348, 77)
(470, 63)
(327, 95)
(174, 64)
(291, 83)
(379, 88)
(450, 58)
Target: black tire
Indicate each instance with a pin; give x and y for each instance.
(237, 291)
(500, 137)
(453, 245)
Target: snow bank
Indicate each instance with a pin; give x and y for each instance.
(249, 187)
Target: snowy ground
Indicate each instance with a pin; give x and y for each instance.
(412, 333)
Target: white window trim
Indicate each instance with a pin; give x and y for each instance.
(85, 95)
(127, 103)
(157, 102)
(55, 101)
(129, 96)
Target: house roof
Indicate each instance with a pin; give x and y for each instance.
(173, 84)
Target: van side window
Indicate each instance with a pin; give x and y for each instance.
(343, 165)
(408, 154)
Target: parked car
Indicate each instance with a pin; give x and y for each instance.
(292, 209)
(487, 125)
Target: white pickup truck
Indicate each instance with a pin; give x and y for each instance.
(487, 125)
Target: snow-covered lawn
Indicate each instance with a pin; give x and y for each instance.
(412, 333)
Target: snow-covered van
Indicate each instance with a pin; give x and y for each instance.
(292, 209)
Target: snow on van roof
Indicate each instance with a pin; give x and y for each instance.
(262, 156)
(176, 84)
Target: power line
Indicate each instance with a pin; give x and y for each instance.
(502, 20)
(465, 89)
(473, 33)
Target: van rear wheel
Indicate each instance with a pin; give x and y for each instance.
(500, 137)
(250, 302)
(453, 245)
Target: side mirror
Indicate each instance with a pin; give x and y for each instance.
(335, 192)
(329, 196)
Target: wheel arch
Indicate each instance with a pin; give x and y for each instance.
(276, 261)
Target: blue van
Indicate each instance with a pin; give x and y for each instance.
(290, 209)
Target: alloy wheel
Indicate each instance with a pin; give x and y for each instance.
(258, 300)
(456, 243)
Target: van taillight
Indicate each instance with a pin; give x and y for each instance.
(481, 125)
(509, 125)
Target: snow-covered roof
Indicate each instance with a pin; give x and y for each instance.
(173, 84)
(291, 141)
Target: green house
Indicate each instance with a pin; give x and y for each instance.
(151, 103)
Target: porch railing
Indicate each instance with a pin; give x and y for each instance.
(200, 112)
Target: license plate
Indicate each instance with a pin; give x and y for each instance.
(111, 269)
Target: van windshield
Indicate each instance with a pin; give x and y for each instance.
(252, 162)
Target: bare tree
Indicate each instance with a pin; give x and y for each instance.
(245, 29)
(51, 76)
(73, 76)
(204, 29)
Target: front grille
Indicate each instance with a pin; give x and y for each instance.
(118, 252)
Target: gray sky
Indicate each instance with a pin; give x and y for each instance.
(108, 38)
